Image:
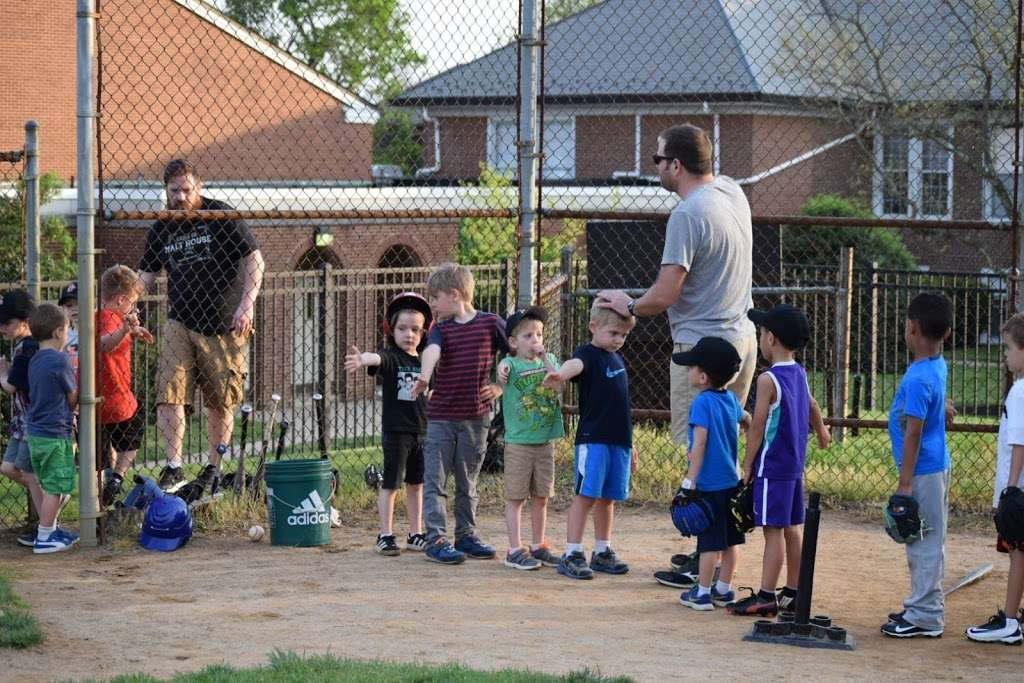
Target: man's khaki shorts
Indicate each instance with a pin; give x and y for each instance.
(219, 364)
(529, 471)
(683, 393)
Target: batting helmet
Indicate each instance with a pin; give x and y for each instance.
(403, 301)
(691, 514)
(167, 525)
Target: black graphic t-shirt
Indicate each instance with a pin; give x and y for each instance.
(604, 398)
(202, 259)
(398, 372)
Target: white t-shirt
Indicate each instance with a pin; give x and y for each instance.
(1011, 433)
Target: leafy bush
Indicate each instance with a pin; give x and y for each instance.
(57, 261)
(396, 141)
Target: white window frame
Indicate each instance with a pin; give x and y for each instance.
(915, 180)
(493, 122)
(989, 191)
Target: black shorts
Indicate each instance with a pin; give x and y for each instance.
(403, 452)
(122, 436)
(722, 533)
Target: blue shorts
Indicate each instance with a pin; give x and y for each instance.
(722, 533)
(17, 454)
(602, 471)
(778, 502)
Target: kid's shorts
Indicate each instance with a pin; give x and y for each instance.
(17, 454)
(778, 502)
(54, 463)
(722, 533)
(403, 452)
(122, 436)
(602, 471)
(529, 470)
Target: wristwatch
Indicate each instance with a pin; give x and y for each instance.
(631, 305)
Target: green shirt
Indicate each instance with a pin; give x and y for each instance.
(533, 413)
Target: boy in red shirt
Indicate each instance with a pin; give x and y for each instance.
(117, 323)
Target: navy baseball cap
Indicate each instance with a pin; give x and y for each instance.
(15, 304)
(788, 323)
(69, 293)
(713, 355)
(532, 313)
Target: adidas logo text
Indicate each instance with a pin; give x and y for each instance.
(310, 511)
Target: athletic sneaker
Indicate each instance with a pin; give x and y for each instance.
(608, 562)
(685, 562)
(335, 518)
(901, 628)
(722, 599)
(544, 555)
(895, 616)
(27, 539)
(58, 541)
(416, 542)
(694, 600)
(520, 558)
(475, 548)
(111, 490)
(575, 566)
(755, 605)
(171, 478)
(386, 545)
(442, 551)
(786, 599)
(998, 629)
(676, 579)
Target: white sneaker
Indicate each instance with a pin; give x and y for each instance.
(335, 518)
(998, 629)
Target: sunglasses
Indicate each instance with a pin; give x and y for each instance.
(658, 159)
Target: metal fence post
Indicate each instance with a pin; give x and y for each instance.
(527, 146)
(841, 362)
(88, 501)
(32, 193)
(565, 268)
(872, 338)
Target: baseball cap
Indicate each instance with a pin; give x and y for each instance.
(69, 293)
(15, 303)
(531, 313)
(786, 322)
(713, 355)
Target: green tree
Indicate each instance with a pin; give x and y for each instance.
(492, 240)
(396, 141)
(57, 261)
(556, 10)
(362, 44)
(820, 245)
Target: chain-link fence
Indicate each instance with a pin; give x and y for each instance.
(339, 151)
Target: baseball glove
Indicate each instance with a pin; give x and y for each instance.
(903, 520)
(1009, 517)
(373, 476)
(690, 513)
(741, 507)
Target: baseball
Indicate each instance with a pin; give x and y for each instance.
(256, 533)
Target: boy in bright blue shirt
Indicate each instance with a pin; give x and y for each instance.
(713, 443)
(917, 429)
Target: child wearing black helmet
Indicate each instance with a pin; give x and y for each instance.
(404, 418)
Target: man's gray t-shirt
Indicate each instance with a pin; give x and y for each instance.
(709, 233)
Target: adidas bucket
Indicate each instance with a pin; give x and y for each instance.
(298, 502)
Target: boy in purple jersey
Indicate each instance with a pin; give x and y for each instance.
(775, 454)
(461, 348)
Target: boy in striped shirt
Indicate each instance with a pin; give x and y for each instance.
(459, 357)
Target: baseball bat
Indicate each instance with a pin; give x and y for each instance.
(976, 575)
(282, 430)
(240, 472)
(268, 434)
(321, 427)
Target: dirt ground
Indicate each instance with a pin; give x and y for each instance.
(225, 599)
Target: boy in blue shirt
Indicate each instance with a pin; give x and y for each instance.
(54, 392)
(713, 441)
(605, 457)
(918, 432)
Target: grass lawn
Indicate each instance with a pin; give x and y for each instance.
(286, 666)
(18, 628)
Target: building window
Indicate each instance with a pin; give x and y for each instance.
(1002, 160)
(559, 147)
(913, 178)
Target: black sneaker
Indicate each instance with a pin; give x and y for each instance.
(684, 562)
(27, 539)
(786, 599)
(171, 478)
(386, 545)
(608, 562)
(755, 605)
(901, 628)
(998, 629)
(676, 579)
(417, 542)
(112, 489)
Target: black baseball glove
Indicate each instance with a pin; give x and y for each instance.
(373, 477)
(741, 508)
(903, 519)
(1009, 517)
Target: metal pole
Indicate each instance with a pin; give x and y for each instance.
(808, 553)
(86, 115)
(1016, 297)
(32, 239)
(527, 146)
(841, 367)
